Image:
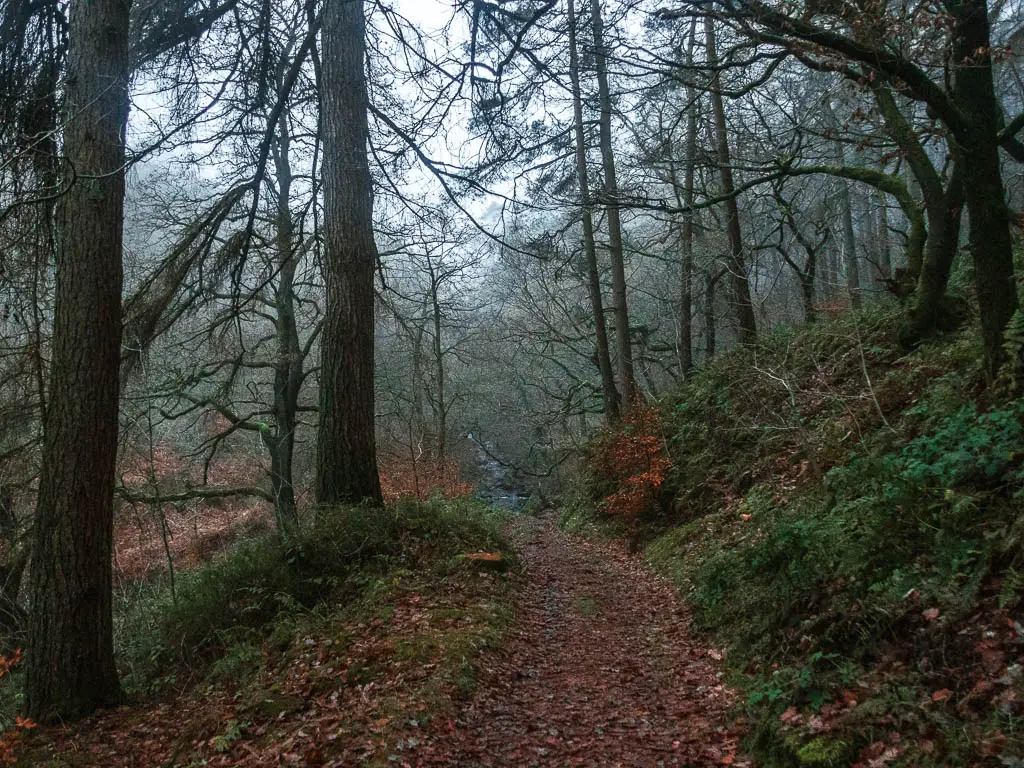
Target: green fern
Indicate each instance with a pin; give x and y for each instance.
(1013, 345)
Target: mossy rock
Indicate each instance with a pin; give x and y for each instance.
(825, 752)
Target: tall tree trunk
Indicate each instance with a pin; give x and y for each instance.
(440, 401)
(609, 393)
(849, 241)
(346, 449)
(70, 668)
(736, 264)
(419, 416)
(807, 295)
(685, 342)
(884, 249)
(850, 247)
(289, 363)
(710, 330)
(620, 308)
(976, 150)
(942, 206)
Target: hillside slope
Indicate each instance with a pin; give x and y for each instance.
(845, 518)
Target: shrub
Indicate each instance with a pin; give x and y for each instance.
(632, 458)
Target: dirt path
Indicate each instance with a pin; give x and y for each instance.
(600, 671)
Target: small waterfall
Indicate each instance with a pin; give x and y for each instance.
(500, 485)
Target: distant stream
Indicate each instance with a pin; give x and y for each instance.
(500, 485)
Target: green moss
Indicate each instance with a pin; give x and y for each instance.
(825, 752)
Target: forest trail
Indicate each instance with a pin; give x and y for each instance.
(597, 668)
(600, 670)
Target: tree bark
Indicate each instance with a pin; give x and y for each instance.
(685, 341)
(620, 308)
(710, 331)
(976, 150)
(738, 278)
(346, 449)
(70, 666)
(884, 252)
(849, 241)
(942, 206)
(609, 393)
(289, 364)
(440, 402)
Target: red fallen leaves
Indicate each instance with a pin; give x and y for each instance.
(600, 671)
(10, 740)
(880, 753)
(332, 701)
(420, 477)
(941, 695)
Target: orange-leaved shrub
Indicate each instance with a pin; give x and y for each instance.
(632, 459)
(10, 740)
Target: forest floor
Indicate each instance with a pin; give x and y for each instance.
(592, 665)
(600, 670)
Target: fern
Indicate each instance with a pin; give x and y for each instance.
(1013, 346)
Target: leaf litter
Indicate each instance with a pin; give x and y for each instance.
(598, 668)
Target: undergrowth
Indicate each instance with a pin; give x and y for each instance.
(845, 518)
(221, 619)
(369, 626)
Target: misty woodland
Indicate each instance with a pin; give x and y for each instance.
(487, 383)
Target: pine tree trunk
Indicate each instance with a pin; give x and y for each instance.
(620, 308)
(609, 393)
(346, 449)
(70, 666)
(738, 278)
